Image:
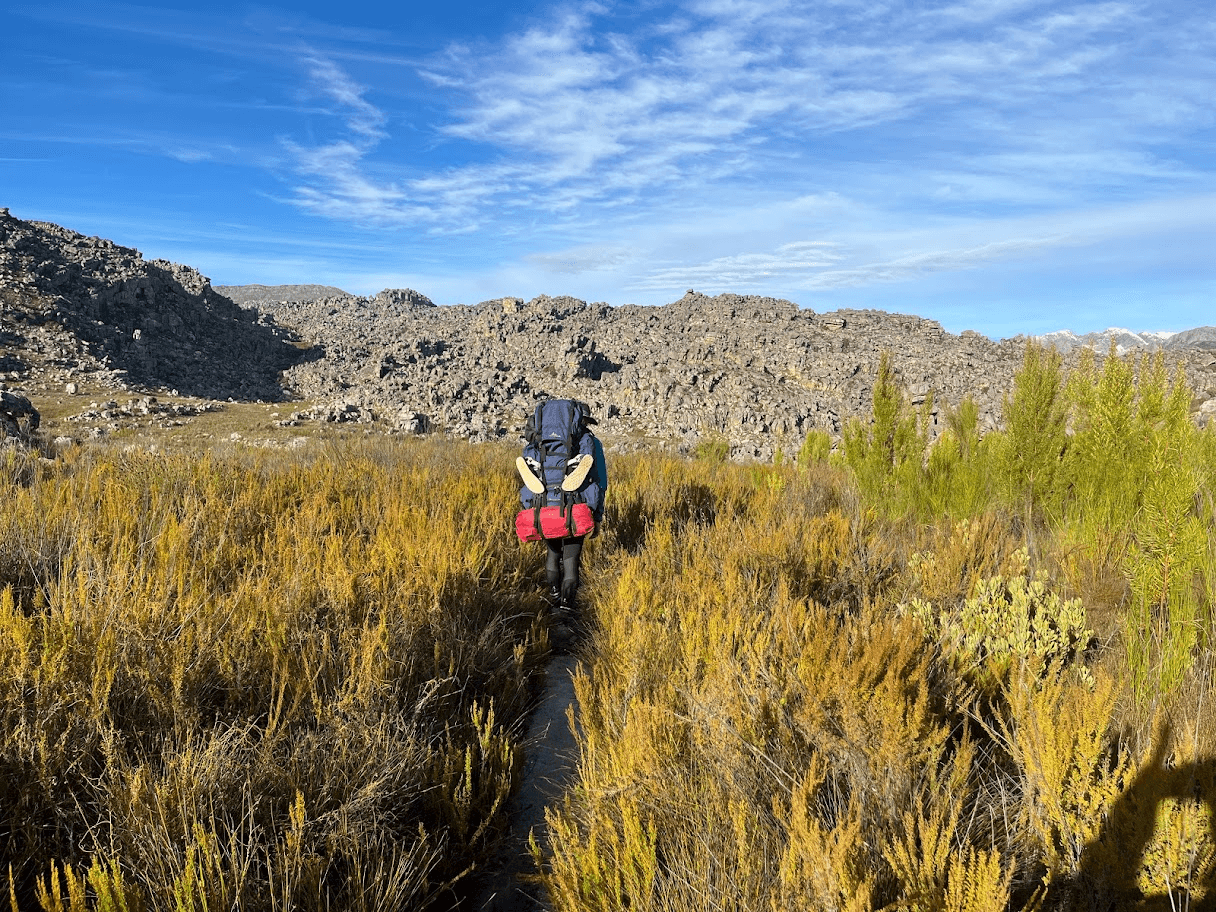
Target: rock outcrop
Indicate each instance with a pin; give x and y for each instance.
(151, 323)
(18, 417)
(1202, 337)
(756, 371)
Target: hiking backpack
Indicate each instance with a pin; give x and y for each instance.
(557, 436)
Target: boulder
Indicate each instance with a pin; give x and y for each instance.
(18, 417)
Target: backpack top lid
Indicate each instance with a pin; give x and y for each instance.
(558, 420)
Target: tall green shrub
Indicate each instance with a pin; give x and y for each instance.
(1169, 542)
(890, 447)
(1137, 471)
(1107, 460)
(1029, 453)
(958, 472)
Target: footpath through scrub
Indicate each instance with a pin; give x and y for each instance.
(548, 771)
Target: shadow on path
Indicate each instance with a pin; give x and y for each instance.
(552, 758)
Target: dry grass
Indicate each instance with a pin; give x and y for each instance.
(260, 681)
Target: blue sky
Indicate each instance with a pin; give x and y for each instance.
(999, 165)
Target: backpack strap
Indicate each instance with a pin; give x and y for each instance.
(532, 428)
(572, 430)
(538, 441)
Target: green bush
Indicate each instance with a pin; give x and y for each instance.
(1010, 623)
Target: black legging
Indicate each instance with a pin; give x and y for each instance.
(561, 567)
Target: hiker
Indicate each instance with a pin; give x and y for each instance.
(565, 477)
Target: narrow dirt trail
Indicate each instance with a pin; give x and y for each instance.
(547, 774)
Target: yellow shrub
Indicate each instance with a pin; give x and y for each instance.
(1158, 840)
(1057, 734)
(824, 866)
(762, 737)
(195, 650)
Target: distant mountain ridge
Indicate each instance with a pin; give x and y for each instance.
(1125, 340)
(1064, 340)
(252, 295)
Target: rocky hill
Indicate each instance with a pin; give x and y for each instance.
(85, 305)
(253, 295)
(1202, 337)
(757, 372)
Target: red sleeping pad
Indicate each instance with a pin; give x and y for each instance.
(552, 523)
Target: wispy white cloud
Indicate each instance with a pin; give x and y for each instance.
(135, 139)
(582, 259)
(925, 263)
(336, 182)
(584, 109)
(190, 156)
(786, 263)
(362, 118)
(262, 33)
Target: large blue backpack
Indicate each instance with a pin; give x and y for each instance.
(557, 434)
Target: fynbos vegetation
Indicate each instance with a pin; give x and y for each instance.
(967, 674)
(969, 678)
(272, 684)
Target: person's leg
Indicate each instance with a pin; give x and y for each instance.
(553, 566)
(572, 549)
